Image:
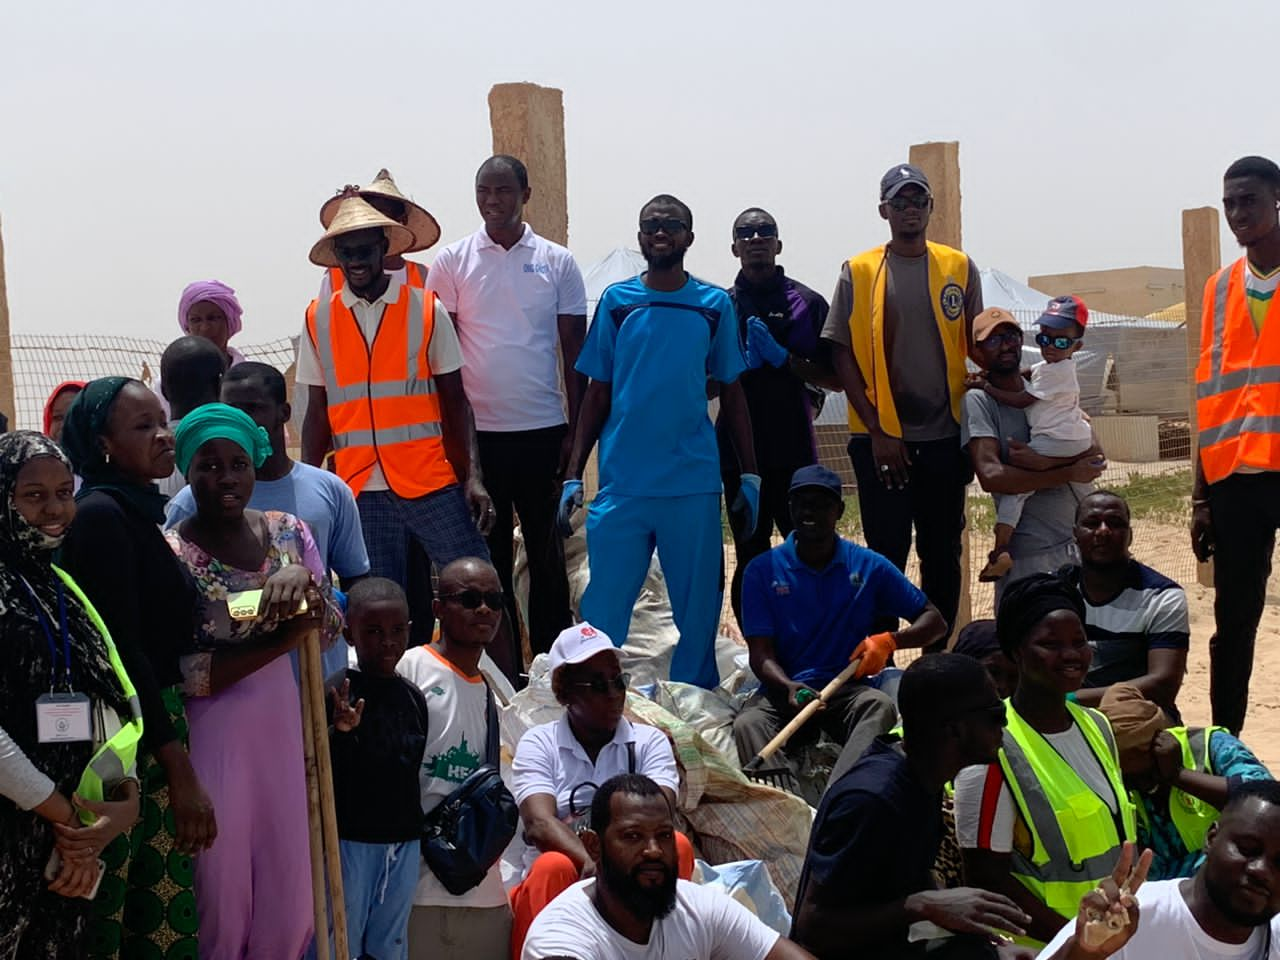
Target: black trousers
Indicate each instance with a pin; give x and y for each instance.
(774, 512)
(1246, 512)
(932, 503)
(521, 475)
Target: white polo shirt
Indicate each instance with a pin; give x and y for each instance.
(505, 304)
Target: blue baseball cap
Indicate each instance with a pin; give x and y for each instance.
(817, 475)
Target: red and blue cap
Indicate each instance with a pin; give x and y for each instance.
(1062, 312)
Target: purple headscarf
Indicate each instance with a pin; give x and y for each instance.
(216, 292)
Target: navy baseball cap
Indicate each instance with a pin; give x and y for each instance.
(902, 175)
(817, 476)
(1062, 312)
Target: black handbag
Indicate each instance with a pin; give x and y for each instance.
(465, 835)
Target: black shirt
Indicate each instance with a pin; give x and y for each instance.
(375, 766)
(874, 841)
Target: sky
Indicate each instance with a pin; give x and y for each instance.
(148, 144)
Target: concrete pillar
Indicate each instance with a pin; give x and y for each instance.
(1201, 259)
(528, 123)
(8, 405)
(941, 164)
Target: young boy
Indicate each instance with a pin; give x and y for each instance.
(377, 741)
(1051, 398)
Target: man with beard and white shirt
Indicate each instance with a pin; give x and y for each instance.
(635, 908)
(1230, 909)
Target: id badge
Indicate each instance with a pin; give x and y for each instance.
(63, 718)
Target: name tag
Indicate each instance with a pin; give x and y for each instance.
(63, 718)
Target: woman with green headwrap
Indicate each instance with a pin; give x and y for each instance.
(242, 701)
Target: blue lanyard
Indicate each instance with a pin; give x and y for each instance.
(46, 624)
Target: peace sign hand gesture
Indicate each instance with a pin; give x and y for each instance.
(1108, 916)
(345, 716)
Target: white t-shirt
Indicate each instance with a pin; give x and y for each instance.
(457, 722)
(443, 352)
(1167, 930)
(1056, 414)
(706, 924)
(549, 759)
(506, 303)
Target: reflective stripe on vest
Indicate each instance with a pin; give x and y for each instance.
(1237, 380)
(381, 398)
(1075, 839)
(948, 280)
(117, 758)
(415, 275)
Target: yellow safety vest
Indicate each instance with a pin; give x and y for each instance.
(948, 280)
(1076, 840)
(117, 758)
(1191, 815)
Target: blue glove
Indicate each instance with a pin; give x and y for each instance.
(746, 505)
(570, 500)
(761, 346)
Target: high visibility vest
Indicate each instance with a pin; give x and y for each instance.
(1237, 380)
(382, 403)
(415, 276)
(1076, 840)
(948, 280)
(1191, 815)
(117, 758)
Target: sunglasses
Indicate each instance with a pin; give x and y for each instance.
(667, 225)
(919, 201)
(1060, 343)
(601, 685)
(362, 251)
(749, 231)
(471, 599)
(1004, 338)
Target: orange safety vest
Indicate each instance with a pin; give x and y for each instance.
(415, 276)
(1237, 380)
(382, 402)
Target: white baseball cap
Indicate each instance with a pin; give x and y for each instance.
(580, 642)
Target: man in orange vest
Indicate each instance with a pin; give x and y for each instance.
(1235, 500)
(381, 365)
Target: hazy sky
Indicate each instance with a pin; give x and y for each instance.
(148, 144)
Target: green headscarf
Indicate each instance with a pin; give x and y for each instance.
(218, 421)
(82, 433)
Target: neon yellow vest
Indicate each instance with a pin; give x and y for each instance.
(1075, 839)
(948, 280)
(116, 758)
(1191, 815)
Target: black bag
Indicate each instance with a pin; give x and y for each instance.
(465, 835)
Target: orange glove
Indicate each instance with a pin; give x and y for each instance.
(875, 652)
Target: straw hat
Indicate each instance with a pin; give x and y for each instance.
(355, 214)
(425, 229)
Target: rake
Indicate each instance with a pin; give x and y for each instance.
(781, 777)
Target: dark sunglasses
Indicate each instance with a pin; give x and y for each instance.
(471, 599)
(362, 251)
(1003, 338)
(600, 685)
(667, 225)
(748, 231)
(919, 201)
(1061, 343)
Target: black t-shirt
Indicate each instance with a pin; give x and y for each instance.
(375, 766)
(874, 840)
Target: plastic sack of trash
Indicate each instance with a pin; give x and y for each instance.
(748, 882)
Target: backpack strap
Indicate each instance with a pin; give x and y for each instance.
(631, 756)
(492, 747)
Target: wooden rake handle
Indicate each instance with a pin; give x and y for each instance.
(808, 710)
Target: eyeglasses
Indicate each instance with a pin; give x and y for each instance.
(1060, 343)
(601, 685)
(747, 231)
(919, 201)
(667, 225)
(471, 599)
(1007, 338)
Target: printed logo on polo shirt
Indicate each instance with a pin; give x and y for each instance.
(540, 268)
(951, 300)
(781, 589)
(455, 764)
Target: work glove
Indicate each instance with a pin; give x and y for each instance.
(875, 652)
(744, 512)
(762, 348)
(570, 500)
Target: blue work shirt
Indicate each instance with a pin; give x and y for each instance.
(817, 617)
(656, 350)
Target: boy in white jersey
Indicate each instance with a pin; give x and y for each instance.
(1051, 398)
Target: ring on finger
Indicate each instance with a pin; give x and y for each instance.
(884, 468)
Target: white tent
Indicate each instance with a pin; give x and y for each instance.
(619, 264)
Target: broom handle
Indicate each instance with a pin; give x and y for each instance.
(314, 820)
(809, 709)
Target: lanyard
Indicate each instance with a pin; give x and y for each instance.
(46, 624)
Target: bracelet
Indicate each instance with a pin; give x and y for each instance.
(1072, 698)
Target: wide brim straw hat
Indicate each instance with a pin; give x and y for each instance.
(355, 214)
(425, 229)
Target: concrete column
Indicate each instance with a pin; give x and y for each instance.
(528, 123)
(941, 164)
(8, 405)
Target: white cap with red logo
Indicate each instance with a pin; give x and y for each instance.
(580, 642)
